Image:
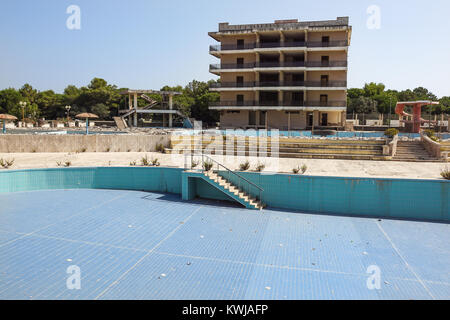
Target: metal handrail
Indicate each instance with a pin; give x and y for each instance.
(260, 190)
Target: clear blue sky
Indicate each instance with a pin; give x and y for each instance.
(148, 44)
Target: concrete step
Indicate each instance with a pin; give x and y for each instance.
(221, 181)
(311, 155)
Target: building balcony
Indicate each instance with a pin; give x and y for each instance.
(279, 84)
(266, 45)
(254, 104)
(277, 65)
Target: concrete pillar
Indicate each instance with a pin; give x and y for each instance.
(135, 104)
(280, 97)
(289, 121)
(316, 118)
(282, 38)
(267, 120)
(170, 108)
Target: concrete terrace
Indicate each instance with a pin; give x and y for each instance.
(139, 245)
(316, 167)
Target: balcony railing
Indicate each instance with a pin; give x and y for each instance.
(317, 84)
(290, 103)
(294, 64)
(286, 44)
(326, 64)
(327, 44)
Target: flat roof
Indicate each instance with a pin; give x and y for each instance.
(282, 25)
(419, 101)
(139, 91)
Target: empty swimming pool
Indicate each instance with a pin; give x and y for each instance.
(142, 245)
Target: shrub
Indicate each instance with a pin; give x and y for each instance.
(132, 163)
(304, 168)
(445, 173)
(260, 167)
(6, 163)
(160, 148)
(299, 169)
(108, 149)
(67, 164)
(207, 165)
(83, 150)
(194, 164)
(431, 134)
(155, 162)
(144, 161)
(391, 132)
(244, 166)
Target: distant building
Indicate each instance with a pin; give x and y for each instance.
(286, 75)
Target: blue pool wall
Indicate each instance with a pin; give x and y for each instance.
(393, 198)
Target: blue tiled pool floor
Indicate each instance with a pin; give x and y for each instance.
(140, 245)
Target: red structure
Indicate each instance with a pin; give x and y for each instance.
(417, 120)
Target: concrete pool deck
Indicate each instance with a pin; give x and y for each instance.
(316, 167)
(142, 245)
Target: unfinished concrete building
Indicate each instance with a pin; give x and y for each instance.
(286, 75)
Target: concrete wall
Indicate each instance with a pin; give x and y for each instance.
(232, 58)
(16, 143)
(234, 120)
(334, 55)
(433, 147)
(332, 75)
(334, 36)
(392, 198)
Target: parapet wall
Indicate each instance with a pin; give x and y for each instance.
(18, 143)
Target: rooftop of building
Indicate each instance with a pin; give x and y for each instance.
(341, 23)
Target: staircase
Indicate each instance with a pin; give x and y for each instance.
(412, 151)
(234, 186)
(284, 147)
(233, 191)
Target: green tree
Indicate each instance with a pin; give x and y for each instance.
(9, 101)
(373, 89)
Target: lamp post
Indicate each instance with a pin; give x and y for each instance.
(23, 104)
(390, 103)
(68, 112)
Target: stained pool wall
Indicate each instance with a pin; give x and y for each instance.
(395, 198)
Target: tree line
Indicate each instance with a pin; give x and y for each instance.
(104, 99)
(374, 98)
